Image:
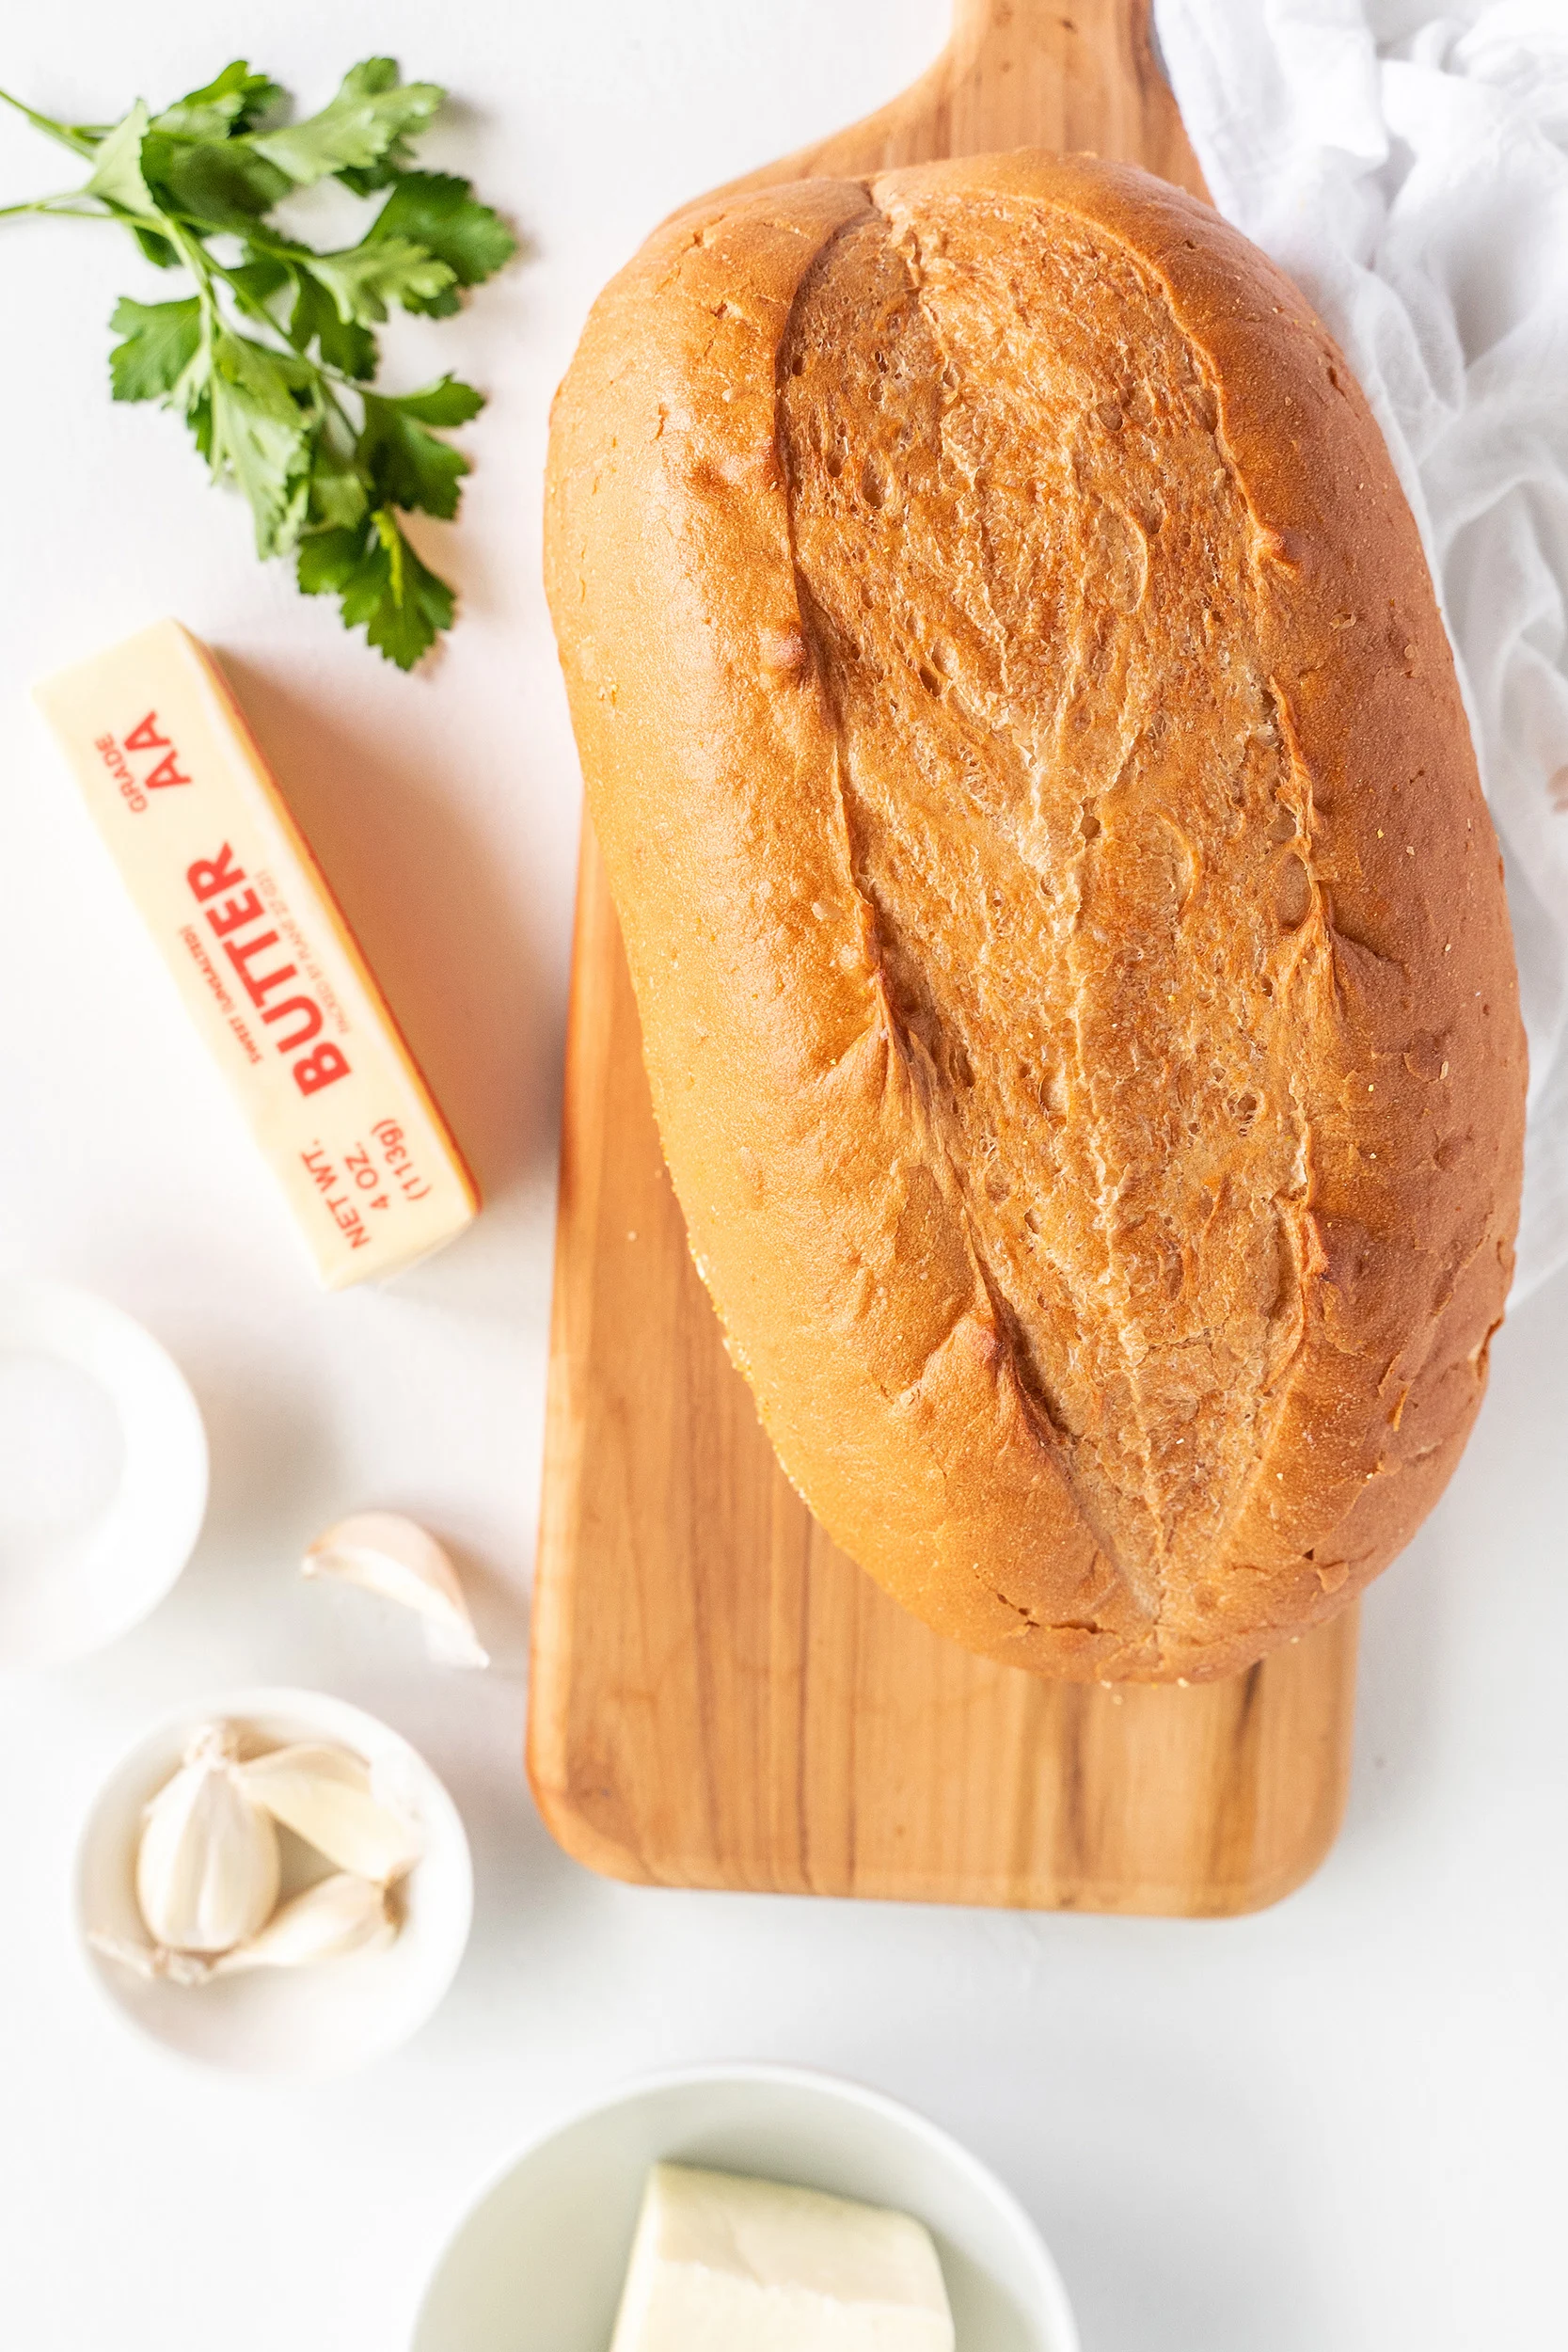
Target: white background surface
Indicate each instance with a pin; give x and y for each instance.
(1333, 2127)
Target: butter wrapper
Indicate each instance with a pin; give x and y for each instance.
(260, 954)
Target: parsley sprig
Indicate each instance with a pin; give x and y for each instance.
(271, 360)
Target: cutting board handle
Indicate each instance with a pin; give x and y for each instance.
(1004, 30)
(1070, 74)
(1090, 63)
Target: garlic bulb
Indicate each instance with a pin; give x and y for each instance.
(330, 1921)
(207, 1866)
(328, 1796)
(384, 1553)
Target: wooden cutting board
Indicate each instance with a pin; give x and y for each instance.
(719, 1696)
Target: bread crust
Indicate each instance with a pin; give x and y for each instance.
(1010, 1465)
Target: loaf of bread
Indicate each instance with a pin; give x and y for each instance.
(1069, 940)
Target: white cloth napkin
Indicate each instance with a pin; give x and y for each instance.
(1408, 167)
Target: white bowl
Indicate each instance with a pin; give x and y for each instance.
(301, 2022)
(102, 1473)
(538, 2263)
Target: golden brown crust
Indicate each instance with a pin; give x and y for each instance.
(1074, 971)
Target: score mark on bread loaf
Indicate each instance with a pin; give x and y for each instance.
(1085, 864)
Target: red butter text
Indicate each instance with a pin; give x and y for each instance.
(239, 921)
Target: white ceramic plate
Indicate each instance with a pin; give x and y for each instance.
(102, 1473)
(538, 2262)
(273, 2021)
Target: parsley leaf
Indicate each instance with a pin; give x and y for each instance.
(235, 102)
(315, 320)
(116, 172)
(161, 341)
(261, 434)
(338, 499)
(214, 183)
(383, 586)
(256, 281)
(269, 358)
(413, 607)
(365, 278)
(440, 212)
(450, 401)
(157, 247)
(365, 125)
(406, 465)
(327, 559)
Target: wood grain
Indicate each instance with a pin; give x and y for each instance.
(719, 1696)
(1069, 74)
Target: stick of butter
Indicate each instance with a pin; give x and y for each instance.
(259, 949)
(721, 2261)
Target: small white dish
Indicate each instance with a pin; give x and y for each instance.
(283, 2022)
(102, 1473)
(538, 2262)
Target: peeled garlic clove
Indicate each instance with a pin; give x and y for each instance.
(340, 1915)
(207, 1866)
(384, 1553)
(326, 1796)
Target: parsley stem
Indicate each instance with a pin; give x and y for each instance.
(54, 208)
(243, 300)
(81, 142)
(247, 302)
(200, 263)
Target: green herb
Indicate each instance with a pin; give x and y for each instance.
(270, 360)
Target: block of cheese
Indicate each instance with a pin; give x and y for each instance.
(259, 950)
(721, 2262)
